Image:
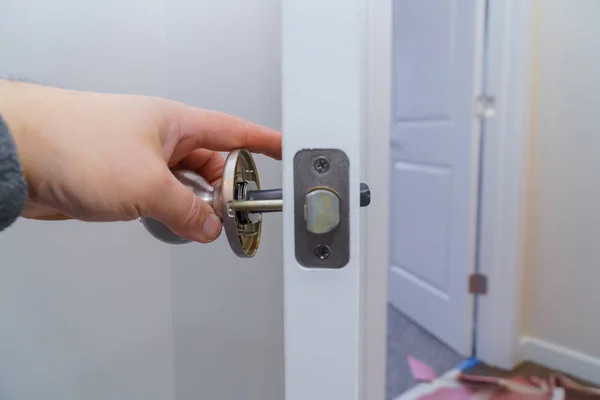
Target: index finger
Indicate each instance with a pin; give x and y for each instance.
(200, 128)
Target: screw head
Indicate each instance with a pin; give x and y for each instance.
(321, 165)
(323, 252)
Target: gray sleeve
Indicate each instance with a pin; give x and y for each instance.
(13, 189)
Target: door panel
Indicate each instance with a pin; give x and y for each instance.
(425, 214)
(433, 172)
(425, 74)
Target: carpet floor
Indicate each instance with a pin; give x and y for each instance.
(407, 338)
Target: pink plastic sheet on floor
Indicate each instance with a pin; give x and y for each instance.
(449, 393)
(475, 387)
(420, 371)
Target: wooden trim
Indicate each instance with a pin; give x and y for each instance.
(376, 136)
(560, 358)
(505, 173)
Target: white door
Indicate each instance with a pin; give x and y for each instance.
(323, 74)
(434, 164)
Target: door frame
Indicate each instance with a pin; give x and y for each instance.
(375, 170)
(504, 167)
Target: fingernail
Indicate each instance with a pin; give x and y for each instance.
(211, 227)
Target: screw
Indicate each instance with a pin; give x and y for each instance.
(321, 165)
(323, 252)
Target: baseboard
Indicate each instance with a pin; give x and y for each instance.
(560, 358)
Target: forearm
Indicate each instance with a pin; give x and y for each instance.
(13, 189)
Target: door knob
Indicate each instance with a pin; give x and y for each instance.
(240, 202)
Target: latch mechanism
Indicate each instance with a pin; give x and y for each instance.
(240, 202)
(322, 208)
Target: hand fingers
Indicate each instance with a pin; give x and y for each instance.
(222, 132)
(184, 213)
(42, 213)
(53, 217)
(209, 164)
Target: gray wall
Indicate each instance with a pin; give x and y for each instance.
(102, 311)
(228, 312)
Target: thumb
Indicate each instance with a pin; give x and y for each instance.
(184, 213)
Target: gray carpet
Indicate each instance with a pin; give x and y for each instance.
(407, 338)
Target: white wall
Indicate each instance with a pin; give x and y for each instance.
(103, 311)
(561, 294)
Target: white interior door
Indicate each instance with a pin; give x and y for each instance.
(323, 74)
(434, 164)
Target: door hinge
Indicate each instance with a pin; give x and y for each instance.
(478, 284)
(485, 106)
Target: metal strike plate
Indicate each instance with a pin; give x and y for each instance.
(316, 169)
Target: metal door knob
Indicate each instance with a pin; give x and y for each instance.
(242, 227)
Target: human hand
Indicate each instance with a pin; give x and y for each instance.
(108, 157)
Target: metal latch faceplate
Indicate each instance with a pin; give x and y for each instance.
(321, 208)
